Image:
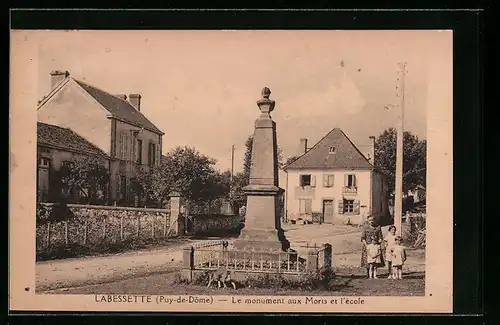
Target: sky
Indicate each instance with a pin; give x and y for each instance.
(201, 87)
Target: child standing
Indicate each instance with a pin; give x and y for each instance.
(373, 259)
(398, 258)
(390, 241)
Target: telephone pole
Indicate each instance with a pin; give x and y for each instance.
(398, 196)
(232, 163)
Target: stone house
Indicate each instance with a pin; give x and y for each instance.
(334, 183)
(57, 146)
(112, 123)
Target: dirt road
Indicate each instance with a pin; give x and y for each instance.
(68, 273)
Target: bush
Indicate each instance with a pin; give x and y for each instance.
(318, 280)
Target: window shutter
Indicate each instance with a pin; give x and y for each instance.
(313, 181)
(120, 144)
(341, 206)
(331, 180)
(354, 181)
(346, 180)
(300, 180)
(134, 151)
(127, 141)
(356, 206)
(325, 180)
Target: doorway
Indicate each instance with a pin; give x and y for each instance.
(327, 211)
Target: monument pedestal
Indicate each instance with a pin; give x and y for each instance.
(262, 219)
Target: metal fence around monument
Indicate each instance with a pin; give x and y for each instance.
(222, 255)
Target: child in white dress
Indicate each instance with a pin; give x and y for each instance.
(398, 258)
(390, 241)
(373, 252)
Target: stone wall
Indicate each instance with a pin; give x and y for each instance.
(209, 223)
(97, 226)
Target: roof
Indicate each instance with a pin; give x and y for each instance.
(119, 108)
(345, 156)
(65, 139)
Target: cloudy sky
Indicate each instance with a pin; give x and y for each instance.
(200, 87)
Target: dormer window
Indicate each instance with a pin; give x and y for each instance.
(331, 150)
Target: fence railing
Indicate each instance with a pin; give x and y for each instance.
(217, 255)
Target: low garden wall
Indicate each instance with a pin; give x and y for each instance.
(202, 224)
(81, 229)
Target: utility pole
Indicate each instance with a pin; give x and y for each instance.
(232, 163)
(398, 196)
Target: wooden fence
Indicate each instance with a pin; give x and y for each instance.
(97, 225)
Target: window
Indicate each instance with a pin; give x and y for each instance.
(350, 180)
(139, 151)
(124, 146)
(331, 150)
(44, 162)
(348, 206)
(305, 180)
(305, 206)
(67, 164)
(151, 154)
(328, 180)
(123, 187)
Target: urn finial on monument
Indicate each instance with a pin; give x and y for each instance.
(265, 104)
(263, 210)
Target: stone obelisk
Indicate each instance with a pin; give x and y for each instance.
(262, 220)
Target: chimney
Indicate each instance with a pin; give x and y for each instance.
(121, 96)
(302, 146)
(135, 100)
(56, 77)
(371, 155)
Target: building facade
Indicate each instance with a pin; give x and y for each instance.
(113, 123)
(334, 183)
(58, 147)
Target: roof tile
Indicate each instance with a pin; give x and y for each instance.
(346, 155)
(64, 138)
(118, 107)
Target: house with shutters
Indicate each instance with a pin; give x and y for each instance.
(112, 122)
(334, 183)
(56, 148)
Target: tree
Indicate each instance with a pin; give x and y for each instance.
(414, 158)
(87, 176)
(186, 171)
(247, 163)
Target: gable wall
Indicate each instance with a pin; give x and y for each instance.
(72, 108)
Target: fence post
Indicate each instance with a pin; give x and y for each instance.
(165, 224)
(188, 258)
(175, 212)
(312, 260)
(328, 256)
(85, 232)
(48, 233)
(121, 228)
(153, 219)
(66, 232)
(104, 227)
(138, 225)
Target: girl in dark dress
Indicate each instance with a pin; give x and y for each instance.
(370, 230)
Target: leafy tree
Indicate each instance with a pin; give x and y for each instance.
(87, 176)
(247, 163)
(414, 158)
(186, 171)
(289, 161)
